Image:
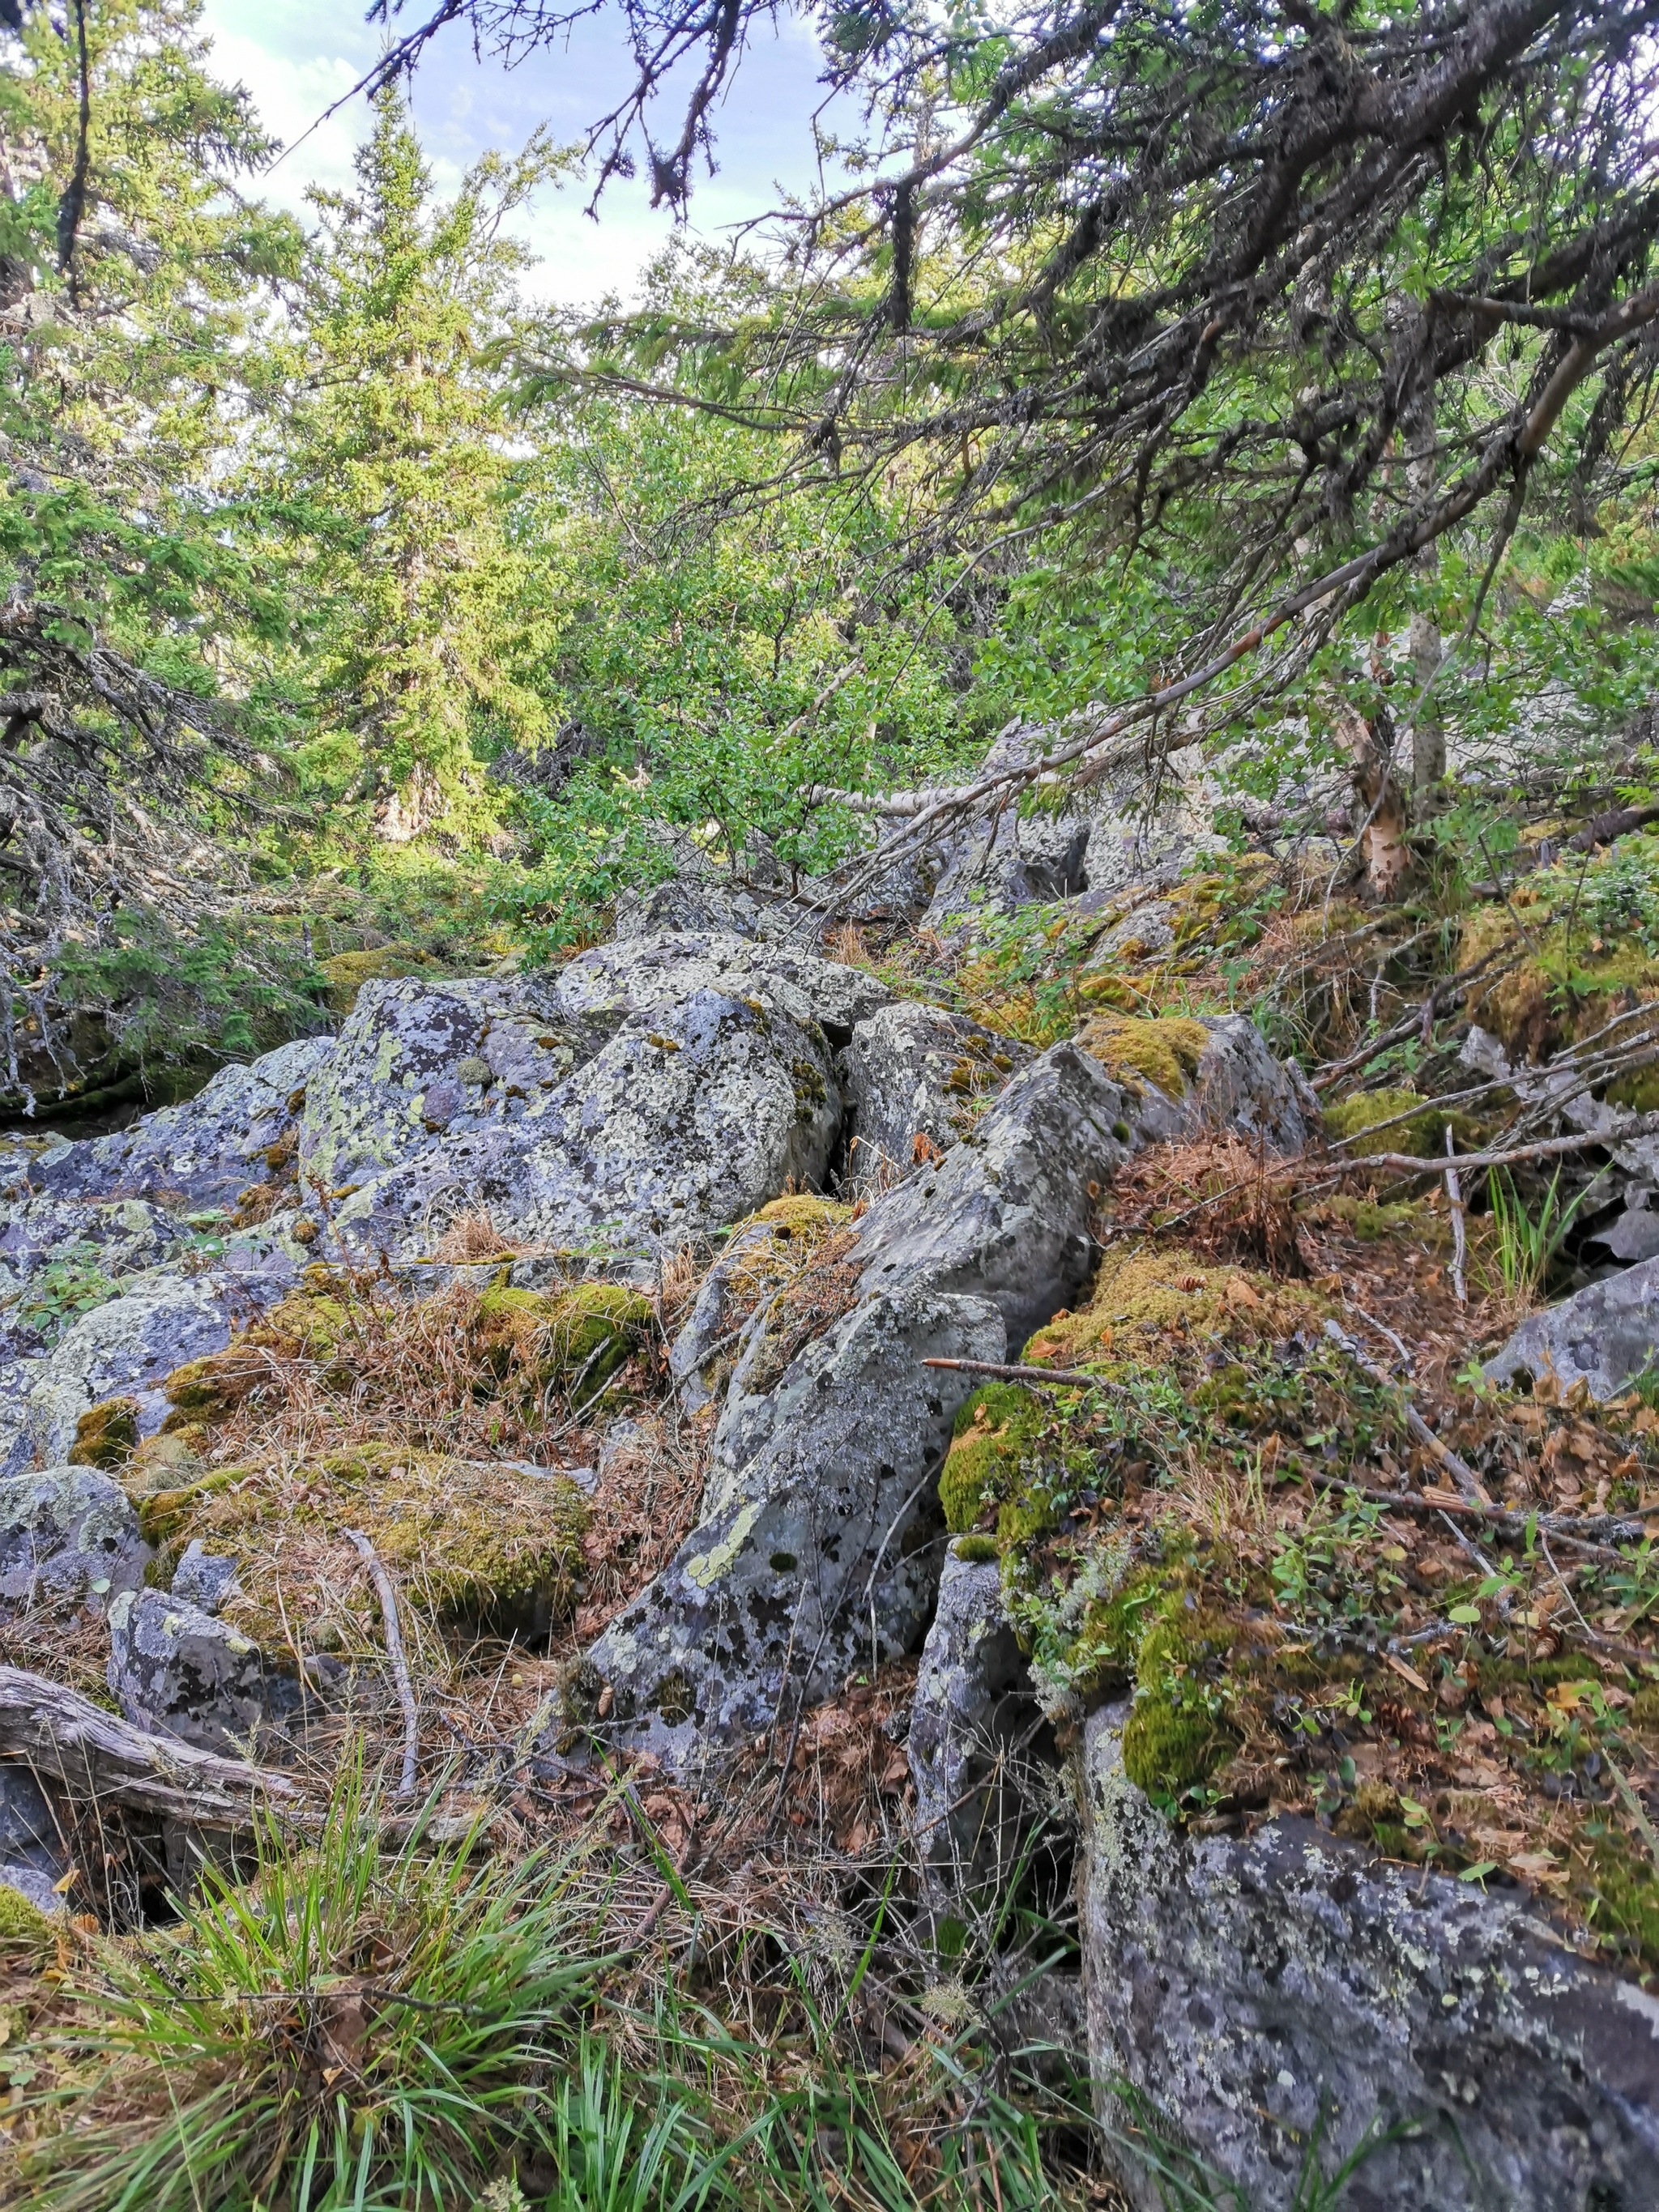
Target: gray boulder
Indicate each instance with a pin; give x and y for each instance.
(1248, 1987)
(127, 1347)
(819, 1536)
(1240, 1086)
(975, 1730)
(730, 1308)
(420, 1063)
(203, 1152)
(692, 1115)
(176, 1669)
(817, 1554)
(109, 1238)
(69, 1537)
(1604, 1336)
(645, 975)
(31, 1840)
(204, 1579)
(914, 1072)
(679, 904)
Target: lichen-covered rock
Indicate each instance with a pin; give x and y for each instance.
(816, 1553)
(421, 1061)
(974, 1734)
(203, 1578)
(73, 1242)
(175, 1668)
(1604, 1336)
(204, 1152)
(690, 1117)
(1268, 1992)
(820, 1508)
(68, 1538)
(914, 1078)
(699, 904)
(643, 975)
(1190, 1075)
(127, 1348)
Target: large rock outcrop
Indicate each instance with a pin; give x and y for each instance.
(1267, 1993)
(819, 1545)
(204, 1152)
(68, 1538)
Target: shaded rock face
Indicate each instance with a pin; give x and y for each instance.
(33, 1853)
(1605, 1336)
(820, 1513)
(914, 1072)
(69, 1539)
(127, 1347)
(973, 1728)
(204, 1152)
(1102, 843)
(174, 1668)
(1241, 1986)
(1240, 1086)
(680, 904)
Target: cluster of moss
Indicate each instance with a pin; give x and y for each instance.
(1403, 1121)
(576, 1339)
(490, 1545)
(1163, 1051)
(347, 972)
(1582, 960)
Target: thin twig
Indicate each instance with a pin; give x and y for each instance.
(1462, 1474)
(1074, 1378)
(394, 1646)
(1459, 1243)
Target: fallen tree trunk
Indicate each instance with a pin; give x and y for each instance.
(95, 1757)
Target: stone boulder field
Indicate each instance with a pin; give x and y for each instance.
(991, 1438)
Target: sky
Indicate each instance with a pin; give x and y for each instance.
(297, 56)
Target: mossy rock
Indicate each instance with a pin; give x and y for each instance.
(347, 972)
(1350, 1120)
(487, 1546)
(1163, 1049)
(106, 1435)
(23, 1926)
(576, 1338)
(1373, 1223)
(995, 1432)
(1148, 1303)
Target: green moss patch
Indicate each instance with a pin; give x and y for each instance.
(1164, 1050)
(347, 972)
(106, 1435)
(482, 1544)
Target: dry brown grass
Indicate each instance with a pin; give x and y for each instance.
(473, 1237)
(1222, 1197)
(645, 1507)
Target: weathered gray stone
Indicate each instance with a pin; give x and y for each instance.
(914, 1072)
(1604, 1336)
(692, 1115)
(1240, 1086)
(1243, 1986)
(39, 1888)
(759, 1258)
(820, 1508)
(1006, 1214)
(203, 1152)
(69, 1537)
(975, 1731)
(127, 1347)
(699, 903)
(176, 1669)
(420, 1062)
(204, 1579)
(818, 1553)
(642, 976)
(31, 1836)
(111, 1236)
